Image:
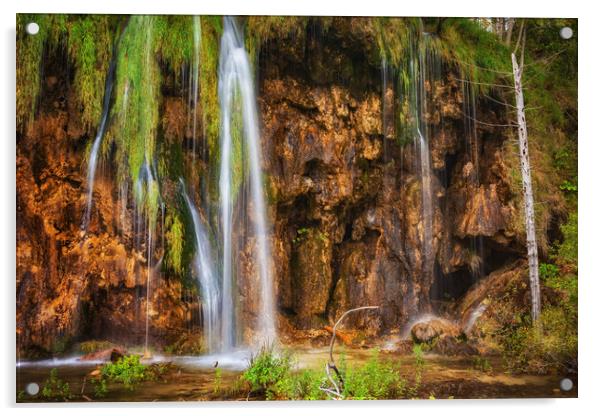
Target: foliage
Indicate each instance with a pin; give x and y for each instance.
(56, 389)
(541, 348)
(30, 54)
(548, 271)
(303, 385)
(90, 44)
(87, 347)
(374, 380)
(175, 243)
(567, 252)
(100, 387)
(267, 371)
(262, 28)
(482, 364)
(127, 370)
(217, 382)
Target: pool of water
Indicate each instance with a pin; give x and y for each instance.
(195, 378)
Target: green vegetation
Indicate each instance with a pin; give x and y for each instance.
(175, 243)
(275, 377)
(217, 383)
(551, 345)
(87, 347)
(90, 45)
(482, 364)
(267, 371)
(127, 370)
(374, 380)
(56, 389)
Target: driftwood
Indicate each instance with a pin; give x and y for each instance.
(525, 166)
(336, 389)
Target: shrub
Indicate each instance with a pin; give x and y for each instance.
(304, 385)
(266, 371)
(375, 380)
(56, 389)
(127, 370)
(482, 364)
(540, 349)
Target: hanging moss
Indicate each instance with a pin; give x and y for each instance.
(211, 29)
(30, 53)
(137, 95)
(175, 243)
(394, 36)
(90, 46)
(262, 28)
(174, 41)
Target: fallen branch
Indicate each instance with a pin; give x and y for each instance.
(331, 365)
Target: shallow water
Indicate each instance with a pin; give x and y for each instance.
(194, 378)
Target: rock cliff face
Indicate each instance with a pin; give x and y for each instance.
(345, 204)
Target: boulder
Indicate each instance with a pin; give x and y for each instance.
(425, 332)
(109, 354)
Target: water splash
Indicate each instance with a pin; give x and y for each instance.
(474, 315)
(235, 77)
(207, 276)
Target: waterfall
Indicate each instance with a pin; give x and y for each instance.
(424, 68)
(147, 176)
(207, 276)
(236, 80)
(469, 109)
(93, 158)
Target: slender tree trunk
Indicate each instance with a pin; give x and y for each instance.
(527, 191)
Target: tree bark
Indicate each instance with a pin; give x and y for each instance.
(527, 191)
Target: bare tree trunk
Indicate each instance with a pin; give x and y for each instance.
(527, 191)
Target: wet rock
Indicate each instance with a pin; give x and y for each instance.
(109, 354)
(451, 345)
(312, 260)
(426, 332)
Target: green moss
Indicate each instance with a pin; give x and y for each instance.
(175, 243)
(259, 29)
(174, 41)
(30, 53)
(90, 46)
(211, 28)
(136, 108)
(56, 389)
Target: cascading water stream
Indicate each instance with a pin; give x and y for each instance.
(469, 108)
(235, 77)
(422, 72)
(207, 276)
(93, 159)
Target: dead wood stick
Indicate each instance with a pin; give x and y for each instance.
(331, 364)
